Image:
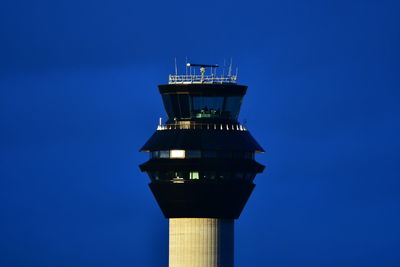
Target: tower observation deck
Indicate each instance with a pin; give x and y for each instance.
(202, 166)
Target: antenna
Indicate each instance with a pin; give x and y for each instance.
(237, 70)
(230, 68)
(223, 69)
(186, 67)
(176, 68)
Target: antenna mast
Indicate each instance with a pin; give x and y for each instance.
(186, 67)
(230, 68)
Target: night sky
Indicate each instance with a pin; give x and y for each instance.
(79, 97)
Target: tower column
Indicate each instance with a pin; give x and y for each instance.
(201, 242)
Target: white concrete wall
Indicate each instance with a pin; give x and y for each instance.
(200, 242)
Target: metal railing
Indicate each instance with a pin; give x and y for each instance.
(202, 126)
(187, 79)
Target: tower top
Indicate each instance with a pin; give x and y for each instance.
(190, 76)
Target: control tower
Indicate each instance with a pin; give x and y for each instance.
(202, 165)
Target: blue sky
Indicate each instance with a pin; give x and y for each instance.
(78, 98)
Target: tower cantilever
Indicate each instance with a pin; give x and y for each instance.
(201, 166)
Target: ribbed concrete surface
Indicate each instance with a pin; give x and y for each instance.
(200, 242)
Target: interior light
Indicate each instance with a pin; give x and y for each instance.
(177, 154)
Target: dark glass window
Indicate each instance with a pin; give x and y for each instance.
(154, 154)
(224, 175)
(248, 155)
(184, 106)
(168, 106)
(164, 154)
(232, 106)
(209, 175)
(237, 154)
(165, 175)
(209, 154)
(193, 154)
(175, 106)
(238, 175)
(224, 154)
(197, 106)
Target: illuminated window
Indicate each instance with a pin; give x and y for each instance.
(194, 175)
(177, 154)
(178, 175)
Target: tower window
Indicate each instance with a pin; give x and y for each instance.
(179, 175)
(181, 154)
(177, 154)
(164, 154)
(237, 154)
(209, 154)
(193, 153)
(224, 175)
(224, 154)
(209, 175)
(248, 155)
(154, 154)
(194, 175)
(238, 175)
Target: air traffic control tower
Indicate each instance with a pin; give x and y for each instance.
(202, 165)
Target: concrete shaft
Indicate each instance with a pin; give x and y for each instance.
(200, 242)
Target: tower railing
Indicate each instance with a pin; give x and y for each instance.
(202, 126)
(210, 79)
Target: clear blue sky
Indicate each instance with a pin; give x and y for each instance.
(78, 98)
